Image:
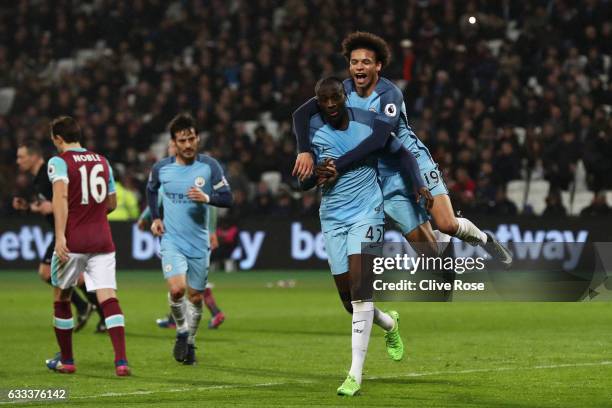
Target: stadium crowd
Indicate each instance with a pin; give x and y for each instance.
(498, 90)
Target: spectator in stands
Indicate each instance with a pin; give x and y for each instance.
(598, 208)
(554, 206)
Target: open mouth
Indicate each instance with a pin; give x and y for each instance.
(361, 78)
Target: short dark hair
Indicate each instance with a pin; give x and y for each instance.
(328, 81)
(66, 127)
(32, 147)
(369, 41)
(182, 121)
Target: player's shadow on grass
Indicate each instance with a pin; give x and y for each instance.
(292, 332)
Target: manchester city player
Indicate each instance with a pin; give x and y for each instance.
(367, 54)
(191, 183)
(351, 213)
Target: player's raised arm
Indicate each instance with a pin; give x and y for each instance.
(58, 175)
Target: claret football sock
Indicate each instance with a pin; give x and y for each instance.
(209, 300)
(470, 233)
(363, 315)
(194, 315)
(178, 313)
(383, 320)
(115, 324)
(63, 324)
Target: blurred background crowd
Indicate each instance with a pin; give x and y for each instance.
(511, 97)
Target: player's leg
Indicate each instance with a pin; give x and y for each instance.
(197, 277)
(217, 316)
(462, 228)
(100, 277)
(84, 307)
(63, 277)
(175, 267)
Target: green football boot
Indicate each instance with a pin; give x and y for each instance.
(349, 387)
(395, 347)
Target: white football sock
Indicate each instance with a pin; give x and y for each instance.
(363, 315)
(469, 233)
(383, 320)
(178, 313)
(194, 313)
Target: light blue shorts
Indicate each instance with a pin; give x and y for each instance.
(399, 202)
(175, 263)
(344, 241)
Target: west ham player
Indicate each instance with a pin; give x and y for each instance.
(367, 54)
(191, 183)
(30, 160)
(351, 212)
(83, 193)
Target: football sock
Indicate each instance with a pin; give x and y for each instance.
(383, 320)
(178, 312)
(209, 301)
(115, 325)
(443, 240)
(363, 315)
(194, 314)
(63, 325)
(469, 233)
(78, 302)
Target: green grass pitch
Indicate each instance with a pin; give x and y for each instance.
(291, 347)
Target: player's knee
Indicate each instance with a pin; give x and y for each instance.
(448, 225)
(195, 298)
(177, 292)
(348, 306)
(44, 273)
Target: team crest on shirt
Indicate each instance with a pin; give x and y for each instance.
(168, 268)
(51, 169)
(199, 181)
(390, 110)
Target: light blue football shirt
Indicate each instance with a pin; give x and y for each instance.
(356, 196)
(388, 102)
(186, 221)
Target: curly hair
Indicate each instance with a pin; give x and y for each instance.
(368, 41)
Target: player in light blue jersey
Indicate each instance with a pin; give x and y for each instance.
(351, 213)
(144, 222)
(191, 183)
(367, 54)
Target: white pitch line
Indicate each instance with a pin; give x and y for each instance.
(271, 384)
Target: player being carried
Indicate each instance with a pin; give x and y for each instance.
(30, 159)
(351, 213)
(83, 194)
(144, 222)
(191, 183)
(367, 54)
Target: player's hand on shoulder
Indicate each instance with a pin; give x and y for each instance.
(157, 227)
(304, 166)
(61, 249)
(20, 203)
(426, 194)
(197, 195)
